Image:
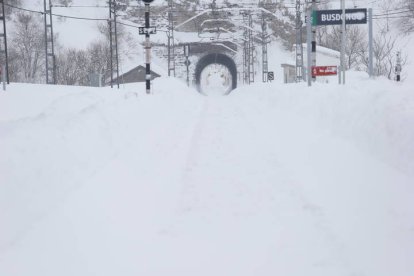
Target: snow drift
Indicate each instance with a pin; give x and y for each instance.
(272, 179)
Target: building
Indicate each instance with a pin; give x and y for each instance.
(136, 74)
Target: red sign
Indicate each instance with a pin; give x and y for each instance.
(324, 70)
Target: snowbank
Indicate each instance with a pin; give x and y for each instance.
(375, 115)
(273, 179)
(53, 138)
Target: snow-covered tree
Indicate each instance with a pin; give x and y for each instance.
(27, 42)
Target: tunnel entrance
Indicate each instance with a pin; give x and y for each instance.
(216, 74)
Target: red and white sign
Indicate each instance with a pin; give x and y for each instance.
(324, 70)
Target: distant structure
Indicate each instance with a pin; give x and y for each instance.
(289, 73)
(134, 75)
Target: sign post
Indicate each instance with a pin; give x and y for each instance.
(343, 37)
(324, 71)
(313, 40)
(308, 48)
(147, 31)
(334, 17)
(270, 76)
(343, 17)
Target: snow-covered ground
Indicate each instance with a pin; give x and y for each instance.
(273, 179)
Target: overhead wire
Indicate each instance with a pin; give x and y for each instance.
(54, 14)
(390, 15)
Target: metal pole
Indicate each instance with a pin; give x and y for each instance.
(52, 41)
(339, 74)
(265, 67)
(5, 42)
(116, 47)
(299, 46)
(169, 39)
(46, 52)
(113, 42)
(147, 50)
(313, 40)
(187, 53)
(371, 50)
(111, 63)
(170, 34)
(3, 76)
(49, 43)
(251, 50)
(398, 67)
(343, 37)
(308, 47)
(188, 71)
(169, 54)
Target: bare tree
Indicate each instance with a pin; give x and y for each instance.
(386, 8)
(72, 67)
(27, 42)
(8, 9)
(406, 21)
(384, 52)
(355, 40)
(75, 67)
(99, 58)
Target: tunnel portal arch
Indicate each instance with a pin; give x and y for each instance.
(216, 58)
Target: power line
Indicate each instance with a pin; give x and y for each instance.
(22, 9)
(61, 6)
(79, 18)
(392, 13)
(57, 15)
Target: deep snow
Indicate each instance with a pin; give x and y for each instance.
(273, 179)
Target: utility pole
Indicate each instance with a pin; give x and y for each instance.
(343, 37)
(171, 44)
(49, 44)
(371, 50)
(245, 51)
(299, 46)
(248, 48)
(3, 37)
(113, 42)
(314, 7)
(308, 47)
(251, 50)
(265, 67)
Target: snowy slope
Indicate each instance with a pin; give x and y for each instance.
(271, 180)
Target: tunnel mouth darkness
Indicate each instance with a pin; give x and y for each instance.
(212, 59)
